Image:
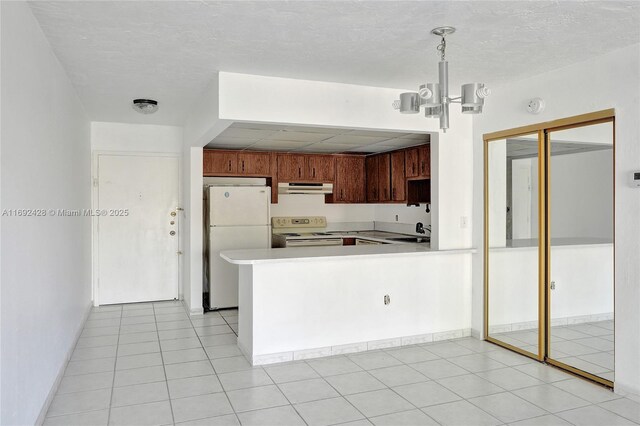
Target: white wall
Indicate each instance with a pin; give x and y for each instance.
(314, 205)
(609, 81)
(135, 137)
(46, 281)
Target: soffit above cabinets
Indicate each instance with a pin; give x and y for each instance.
(273, 137)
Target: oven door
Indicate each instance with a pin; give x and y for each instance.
(314, 242)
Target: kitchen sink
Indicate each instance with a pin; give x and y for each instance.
(410, 239)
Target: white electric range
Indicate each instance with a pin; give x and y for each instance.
(302, 231)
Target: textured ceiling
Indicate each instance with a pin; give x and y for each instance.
(257, 136)
(169, 51)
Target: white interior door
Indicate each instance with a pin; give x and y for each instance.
(137, 253)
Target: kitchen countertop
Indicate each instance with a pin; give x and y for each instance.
(253, 256)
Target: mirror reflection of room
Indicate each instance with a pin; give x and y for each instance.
(581, 248)
(581, 256)
(513, 256)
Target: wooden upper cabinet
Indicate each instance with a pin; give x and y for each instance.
(320, 168)
(372, 178)
(384, 177)
(350, 180)
(291, 167)
(412, 163)
(398, 179)
(219, 162)
(254, 163)
(424, 160)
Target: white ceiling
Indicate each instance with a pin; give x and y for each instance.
(169, 50)
(257, 136)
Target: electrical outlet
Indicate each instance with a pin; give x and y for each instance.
(396, 218)
(464, 221)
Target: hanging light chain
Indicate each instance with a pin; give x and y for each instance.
(441, 48)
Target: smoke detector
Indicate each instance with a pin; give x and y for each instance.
(145, 106)
(535, 105)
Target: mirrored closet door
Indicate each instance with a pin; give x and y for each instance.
(549, 242)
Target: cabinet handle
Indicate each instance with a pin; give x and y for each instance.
(341, 194)
(229, 165)
(422, 167)
(243, 165)
(394, 193)
(413, 168)
(299, 172)
(314, 172)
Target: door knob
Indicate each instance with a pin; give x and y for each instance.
(172, 233)
(553, 285)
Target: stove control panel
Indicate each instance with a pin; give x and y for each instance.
(299, 222)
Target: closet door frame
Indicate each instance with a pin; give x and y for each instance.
(544, 244)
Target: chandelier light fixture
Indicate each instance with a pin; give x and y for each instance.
(434, 97)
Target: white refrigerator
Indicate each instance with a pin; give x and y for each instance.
(238, 218)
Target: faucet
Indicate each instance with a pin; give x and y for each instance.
(420, 229)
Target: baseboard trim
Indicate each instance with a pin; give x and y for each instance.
(265, 359)
(63, 367)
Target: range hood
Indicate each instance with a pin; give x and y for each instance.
(305, 188)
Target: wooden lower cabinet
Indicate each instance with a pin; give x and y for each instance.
(349, 185)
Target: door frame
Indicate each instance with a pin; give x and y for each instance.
(95, 269)
(544, 244)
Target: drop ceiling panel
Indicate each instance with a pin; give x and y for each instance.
(348, 139)
(276, 137)
(299, 136)
(279, 145)
(322, 147)
(257, 134)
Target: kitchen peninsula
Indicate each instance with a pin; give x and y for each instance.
(299, 303)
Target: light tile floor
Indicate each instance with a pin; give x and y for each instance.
(587, 346)
(148, 364)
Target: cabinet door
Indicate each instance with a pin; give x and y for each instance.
(384, 177)
(424, 159)
(291, 168)
(219, 162)
(350, 180)
(254, 163)
(372, 178)
(397, 177)
(321, 168)
(412, 166)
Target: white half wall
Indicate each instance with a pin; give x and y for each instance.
(608, 81)
(46, 269)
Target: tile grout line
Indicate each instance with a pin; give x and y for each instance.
(164, 368)
(115, 363)
(213, 368)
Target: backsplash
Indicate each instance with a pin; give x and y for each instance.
(353, 216)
